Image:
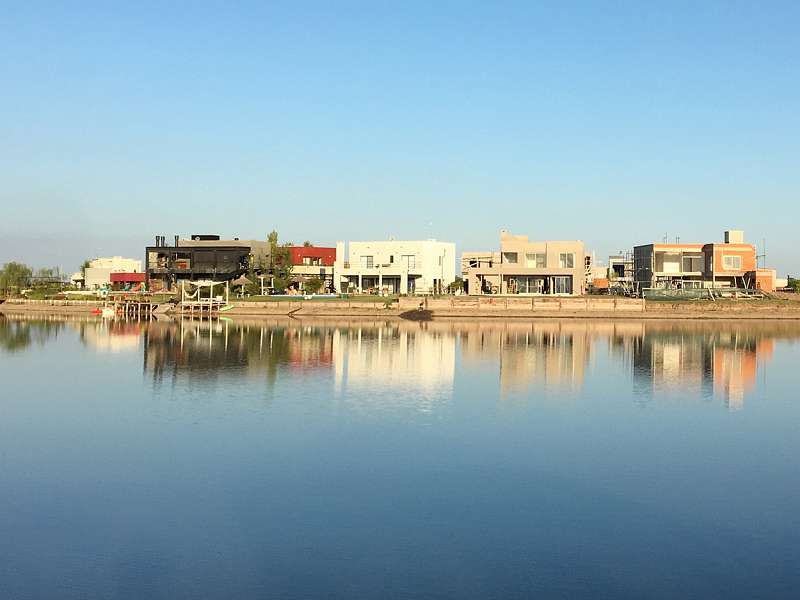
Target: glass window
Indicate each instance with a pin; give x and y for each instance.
(530, 285)
(367, 262)
(566, 260)
(732, 263)
(562, 285)
(692, 263)
(409, 261)
(510, 257)
(535, 260)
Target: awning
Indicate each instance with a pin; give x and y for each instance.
(128, 277)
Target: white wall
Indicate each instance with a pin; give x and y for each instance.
(432, 260)
(117, 264)
(97, 277)
(98, 273)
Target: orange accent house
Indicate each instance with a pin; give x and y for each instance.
(731, 263)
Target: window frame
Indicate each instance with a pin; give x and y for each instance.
(693, 258)
(536, 260)
(727, 257)
(409, 261)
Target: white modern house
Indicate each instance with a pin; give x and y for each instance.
(395, 267)
(98, 273)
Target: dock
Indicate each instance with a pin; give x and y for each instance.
(198, 304)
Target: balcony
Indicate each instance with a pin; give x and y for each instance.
(384, 268)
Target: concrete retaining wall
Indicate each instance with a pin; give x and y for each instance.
(471, 307)
(513, 306)
(311, 308)
(727, 309)
(49, 306)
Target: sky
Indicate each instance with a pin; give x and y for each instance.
(614, 123)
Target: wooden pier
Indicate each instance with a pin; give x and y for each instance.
(197, 304)
(132, 307)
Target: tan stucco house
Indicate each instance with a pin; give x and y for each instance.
(524, 267)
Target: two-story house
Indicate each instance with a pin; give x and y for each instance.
(395, 267)
(732, 263)
(313, 262)
(525, 267)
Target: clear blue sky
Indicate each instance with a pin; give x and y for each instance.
(613, 123)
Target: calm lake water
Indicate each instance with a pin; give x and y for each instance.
(385, 459)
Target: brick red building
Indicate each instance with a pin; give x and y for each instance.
(312, 261)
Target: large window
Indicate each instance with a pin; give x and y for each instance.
(530, 285)
(566, 260)
(535, 260)
(732, 263)
(692, 263)
(409, 261)
(510, 257)
(562, 285)
(367, 262)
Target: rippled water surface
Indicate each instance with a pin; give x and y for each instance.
(389, 459)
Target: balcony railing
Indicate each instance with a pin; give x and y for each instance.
(376, 266)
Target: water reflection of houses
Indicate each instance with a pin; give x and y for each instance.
(205, 350)
(112, 336)
(719, 361)
(405, 363)
(368, 360)
(389, 364)
(533, 355)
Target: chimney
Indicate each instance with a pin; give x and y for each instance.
(734, 236)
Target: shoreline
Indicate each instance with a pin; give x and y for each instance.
(444, 309)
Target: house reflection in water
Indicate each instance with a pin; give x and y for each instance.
(719, 361)
(396, 362)
(401, 365)
(534, 356)
(205, 350)
(367, 360)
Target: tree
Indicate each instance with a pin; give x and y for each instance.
(458, 284)
(313, 285)
(280, 262)
(86, 264)
(47, 273)
(307, 244)
(794, 284)
(14, 276)
(253, 288)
